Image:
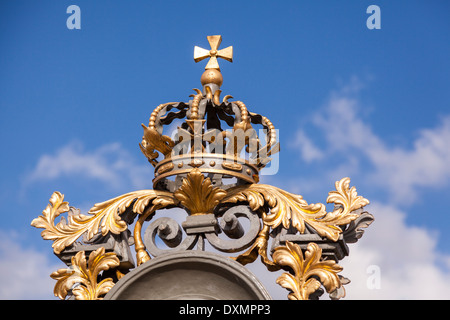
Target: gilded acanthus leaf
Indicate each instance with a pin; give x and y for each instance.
(114, 207)
(197, 193)
(64, 282)
(306, 269)
(50, 213)
(346, 197)
(104, 217)
(85, 276)
(46, 222)
(287, 208)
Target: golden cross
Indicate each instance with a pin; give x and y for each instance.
(213, 54)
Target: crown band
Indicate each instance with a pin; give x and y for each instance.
(222, 164)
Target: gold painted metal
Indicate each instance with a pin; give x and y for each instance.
(259, 247)
(225, 99)
(165, 168)
(213, 156)
(277, 209)
(141, 254)
(105, 216)
(216, 97)
(214, 53)
(194, 107)
(198, 195)
(153, 140)
(145, 203)
(211, 76)
(306, 268)
(209, 94)
(232, 166)
(253, 179)
(288, 209)
(86, 276)
(212, 70)
(189, 158)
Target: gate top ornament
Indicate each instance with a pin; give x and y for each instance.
(212, 173)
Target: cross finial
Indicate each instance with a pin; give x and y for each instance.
(214, 53)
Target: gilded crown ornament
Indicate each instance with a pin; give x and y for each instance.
(209, 167)
(212, 71)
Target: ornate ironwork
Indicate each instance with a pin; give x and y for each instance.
(192, 172)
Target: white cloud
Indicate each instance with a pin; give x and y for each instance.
(406, 256)
(401, 171)
(24, 273)
(425, 165)
(308, 151)
(403, 260)
(410, 265)
(110, 164)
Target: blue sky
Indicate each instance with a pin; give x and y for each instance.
(373, 105)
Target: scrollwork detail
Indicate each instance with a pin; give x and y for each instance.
(239, 240)
(287, 208)
(169, 232)
(210, 213)
(105, 216)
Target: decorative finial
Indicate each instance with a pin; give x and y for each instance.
(212, 70)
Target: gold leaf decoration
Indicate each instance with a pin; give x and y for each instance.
(84, 276)
(153, 140)
(259, 247)
(46, 222)
(346, 197)
(306, 268)
(104, 216)
(197, 193)
(287, 208)
(64, 282)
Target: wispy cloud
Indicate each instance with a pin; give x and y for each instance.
(425, 165)
(110, 164)
(409, 263)
(308, 151)
(24, 272)
(402, 171)
(405, 258)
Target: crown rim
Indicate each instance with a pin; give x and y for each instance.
(214, 163)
